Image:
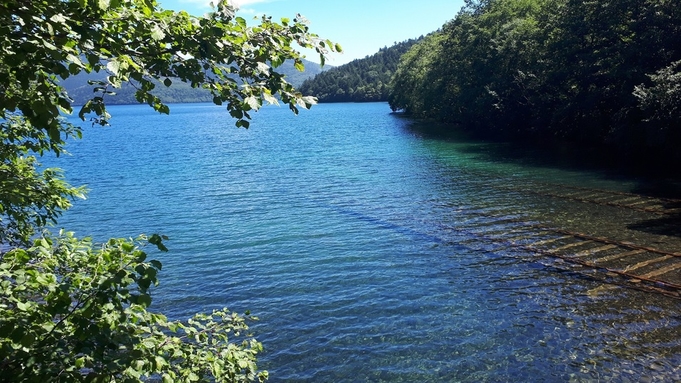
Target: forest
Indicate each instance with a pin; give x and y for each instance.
(603, 74)
(361, 80)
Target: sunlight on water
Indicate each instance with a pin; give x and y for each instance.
(365, 244)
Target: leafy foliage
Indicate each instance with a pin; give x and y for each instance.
(417, 86)
(584, 71)
(136, 42)
(361, 80)
(29, 198)
(80, 91)
(70, 311)
(663, 97)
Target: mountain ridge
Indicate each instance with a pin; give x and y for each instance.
(361, 80)
(80, 91)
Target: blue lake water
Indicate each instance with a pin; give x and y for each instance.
(351, 233)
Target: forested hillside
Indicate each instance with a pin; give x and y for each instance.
(178, 91)
(360, 80)
(584, 71)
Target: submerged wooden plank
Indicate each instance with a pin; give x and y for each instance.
(568, 246)
(593, 251)
(589, 197)
(530, 235)
(663, 270)
(646, 263)
(627, 200)
(638, 203)
(547, 241)
(568, 195)
(618, 256)
(627, 245)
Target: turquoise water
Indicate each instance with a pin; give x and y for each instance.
(351, 233)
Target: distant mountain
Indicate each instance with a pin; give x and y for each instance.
(179, 92)
(360, 80)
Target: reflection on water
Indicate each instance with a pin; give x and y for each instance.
(375, 250)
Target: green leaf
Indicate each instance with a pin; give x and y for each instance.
(173, 327)
(113, 66)
(160, 362)
(158, 241)
(65, 105)
(270, 99)
(263, 68)
(58, 18)
(27, 340)
(75, 60)
(157, 33)
(253, 102)
(144, 300)
(156, 264)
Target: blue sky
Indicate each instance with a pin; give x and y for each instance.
(362, 27)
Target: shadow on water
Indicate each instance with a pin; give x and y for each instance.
(669, 226)
(654, 180)
(648, 179)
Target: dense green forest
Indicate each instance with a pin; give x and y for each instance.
(80, 90)
(360, 80)
(604, 73)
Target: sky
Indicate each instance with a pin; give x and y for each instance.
(361, 27)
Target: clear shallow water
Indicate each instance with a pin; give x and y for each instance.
(350, 232)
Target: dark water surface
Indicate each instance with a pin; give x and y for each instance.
(354, 235)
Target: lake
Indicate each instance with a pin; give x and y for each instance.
(378, 249)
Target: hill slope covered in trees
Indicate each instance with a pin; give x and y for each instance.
(605, 73)
(360, 80)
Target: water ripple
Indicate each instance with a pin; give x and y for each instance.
(367, 248)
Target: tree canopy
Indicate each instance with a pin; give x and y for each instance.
(70, 311)
(80, 91)
(602, 73)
